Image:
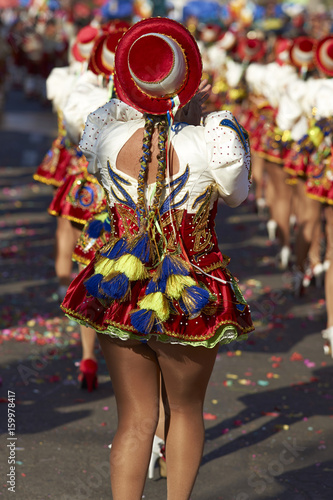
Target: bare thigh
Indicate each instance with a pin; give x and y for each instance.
(185, 370)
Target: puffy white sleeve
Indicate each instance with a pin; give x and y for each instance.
(112, 112)
(58, 86)
(323, 99)
(289, 111)
(84, 99)
(229, 158)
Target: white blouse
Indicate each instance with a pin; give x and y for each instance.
(216, 154)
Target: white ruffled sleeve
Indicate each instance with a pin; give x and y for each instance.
(112, 111)
(84, 98)
(229, 157)
(58, 86)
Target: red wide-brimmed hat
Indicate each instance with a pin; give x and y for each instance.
(84, 43)
(251, 49)
(282, 50)
(115, 24)
(156, 61)
(324, 55)
(102, 57)
(302, 52)
(210, 32)
(227, 40)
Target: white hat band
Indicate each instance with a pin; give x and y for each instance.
(326, 59)
(107, 57)
(85, 48)
(303, 57)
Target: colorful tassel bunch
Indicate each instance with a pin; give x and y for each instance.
(172, 281)
(120, 263)
(100, 223)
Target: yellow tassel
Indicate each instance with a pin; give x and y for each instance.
(176, 284)
(156, 302)
(132, 267)
(104, 266)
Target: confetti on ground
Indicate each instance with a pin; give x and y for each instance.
(309, 364)
(209, 416)
(44, 330)
(263, 382)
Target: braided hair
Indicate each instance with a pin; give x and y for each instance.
(147, 218)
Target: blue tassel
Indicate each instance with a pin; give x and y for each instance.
(107, 225)
(172, 265)
(95, 228)
(241, 307)
(143, 320)
(118, 249)
(141, 248)
(116, 287)
(193, 300)
(158, 327)
(155, 286)
(92, 285)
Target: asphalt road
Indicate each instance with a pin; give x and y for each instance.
(269, 404)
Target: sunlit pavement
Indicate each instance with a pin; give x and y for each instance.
(269, 403)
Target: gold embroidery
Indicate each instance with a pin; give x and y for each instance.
(128, 219)
(212, 267)
(177, 220)
(201, 234)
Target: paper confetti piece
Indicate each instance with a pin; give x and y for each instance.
(209, 416)
(296, 356)
(309, 364)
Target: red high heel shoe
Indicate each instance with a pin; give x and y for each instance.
(88, 374)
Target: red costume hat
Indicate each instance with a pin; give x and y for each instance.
(282, 51)
(102, 56)
(84, 43)
(156, 61)
(227, 40)
(251, 49)
(324, 55)
(210, 33)
(302, 52)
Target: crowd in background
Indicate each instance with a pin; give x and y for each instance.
(270, 63)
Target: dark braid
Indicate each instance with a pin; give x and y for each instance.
(162, 124)
(144, 160)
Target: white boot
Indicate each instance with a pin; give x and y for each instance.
(285, 255)
(271, 229)
(156, 453)
(328, 336)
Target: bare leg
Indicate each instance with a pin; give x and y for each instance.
(280, 194)
(329, 272)
(308, 219)
(135, 376)
(65, 243)
(88, 337)
(160, 429)
(135, 373)
(186, 371)
(314, 250)
(258, 164)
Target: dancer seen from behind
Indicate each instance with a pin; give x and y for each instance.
(319, 183)
(159, 293)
